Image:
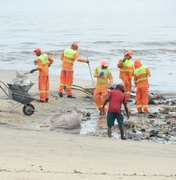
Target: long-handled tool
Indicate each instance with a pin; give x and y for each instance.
(84, 89)
(90, 73)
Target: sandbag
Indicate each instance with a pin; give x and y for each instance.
(66, 122)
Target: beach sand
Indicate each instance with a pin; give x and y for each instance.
(35, 153)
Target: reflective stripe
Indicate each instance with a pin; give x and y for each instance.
(68, 58)
(127, 92)
(102, 81)
(61, 84)
(68, 87)
(142, 79)
(43, 67)
(43, 91)
(126, 70)
(139, 106)
(71, 62)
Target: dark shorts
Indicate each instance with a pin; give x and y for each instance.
(111, 116)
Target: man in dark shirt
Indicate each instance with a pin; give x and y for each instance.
(116, 98)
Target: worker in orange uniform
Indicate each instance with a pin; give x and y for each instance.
(44, 61)
(66, 77)
(141, 74)
(126, 72)
(104, 76)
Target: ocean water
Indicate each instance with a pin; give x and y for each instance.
(104, 30)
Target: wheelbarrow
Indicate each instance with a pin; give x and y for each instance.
(19, 93)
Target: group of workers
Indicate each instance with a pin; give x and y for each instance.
(127, 72)
(120, 95)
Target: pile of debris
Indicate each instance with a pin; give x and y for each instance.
(159, 125)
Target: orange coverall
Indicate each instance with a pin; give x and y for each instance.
(66, 76)
(43, 79)
(141, 74)
(126, 74)
(101, 90)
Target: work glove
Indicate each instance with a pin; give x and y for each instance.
(33, 70)
(87, 62)
(124, 60)
(101, 74)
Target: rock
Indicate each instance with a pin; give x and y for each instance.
(153, 133)
(143, 130)
(153, 115)
(165, 110)
(173, 102)
(151, 101)
(173, 109)
(134, 136)
(88, 114)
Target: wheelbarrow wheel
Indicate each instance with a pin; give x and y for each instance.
(28, 109)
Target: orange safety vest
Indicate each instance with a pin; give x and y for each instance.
(43, 64)
(102, 82)
(141, 76)
(126, 70)
(68, 58)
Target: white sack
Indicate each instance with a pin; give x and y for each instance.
(68, 123)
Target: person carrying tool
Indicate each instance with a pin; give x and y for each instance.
(116, 98)
(126, 72)
(141, 74)
(66, 77)
(104, 76)
(44, 61)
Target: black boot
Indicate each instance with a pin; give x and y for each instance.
(60, 94)
(70, 96)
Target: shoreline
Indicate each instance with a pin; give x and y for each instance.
(152, 88)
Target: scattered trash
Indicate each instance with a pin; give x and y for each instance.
(153, 115)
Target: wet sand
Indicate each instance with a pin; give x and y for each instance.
(51, 155)
(30, 151)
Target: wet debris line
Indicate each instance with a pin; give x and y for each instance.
(159, 125)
